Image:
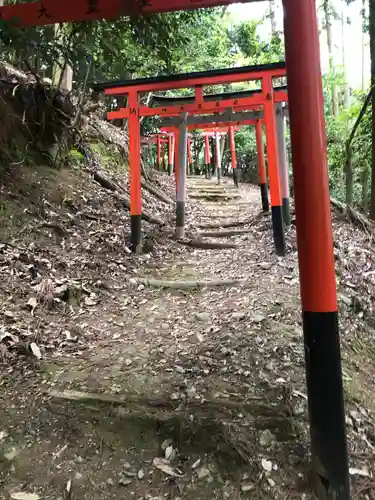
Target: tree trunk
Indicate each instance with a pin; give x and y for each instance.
(349, 177)
(272, 17)
(345, 86)
(348, 170)
(372, 52)
(62, 75)
(364, 182)
(332, 70)
(363, 13)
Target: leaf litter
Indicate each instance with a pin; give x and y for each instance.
(217, 373)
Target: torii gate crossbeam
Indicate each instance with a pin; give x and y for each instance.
(45, 12)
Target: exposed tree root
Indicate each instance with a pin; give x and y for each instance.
(105, 183)
(157, 192)
(210, 189)
(214, 196)
(183, 285)
(125, 200)
(223, 234)
(214, 216)
(253, 405)
(11, 245)
(146, 215)
(207, 245)
(234, 223)
(354, 216)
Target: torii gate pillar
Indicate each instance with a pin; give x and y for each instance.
(182, 146)
(135, 176)
(207, 165)
(283, 163)
(261, 166)
(273, 169)
(315, 251)
(232, 145)
(158, 153)
(190, 158)
(170, 154)
(217, 157)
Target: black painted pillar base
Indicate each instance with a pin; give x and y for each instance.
(170, 169)
(286, 212)
(136, 233)
(264, 195)
(278, 230)
(218, 173)
(236, 176)
(326, 404)
(191, 169)
(180, 219)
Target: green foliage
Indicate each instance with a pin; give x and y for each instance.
(338, 130)
(336, 136)
(246, 43)
(165, 43)
(160, 44)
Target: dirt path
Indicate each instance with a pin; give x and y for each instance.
(211, 378)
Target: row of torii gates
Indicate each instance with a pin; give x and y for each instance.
(167, 138)
(212, 126)
(310, 178)
(227, 110)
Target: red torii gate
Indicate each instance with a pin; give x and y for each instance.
(230, 129)
(216, 134)
(312, 204)
(42, 12)
(208, 129)
(265, 98)
(159, 141)
(222, 102)
(227, 130)
(280, 95)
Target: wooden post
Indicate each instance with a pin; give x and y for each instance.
(190, 159)
(273, 169)
(181, 177)
(135, 173)
(232, 145)
(176, 140)
(163, 156)
(217, 157)
(315, 251)
(261, 166)
(158, 154)
(170, 154)
(207, 157)
(173, 151)
(364, 181)
(283, 162)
